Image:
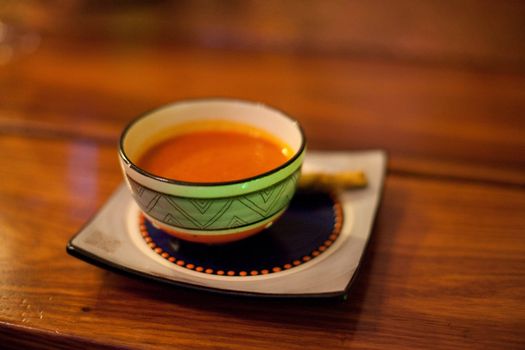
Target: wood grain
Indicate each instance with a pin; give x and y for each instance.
(438, 84)
(445, 265)
(470, 34)
(431, 121)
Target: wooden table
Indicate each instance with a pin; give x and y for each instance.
(445, 267)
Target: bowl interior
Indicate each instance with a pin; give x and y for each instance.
(162, 123)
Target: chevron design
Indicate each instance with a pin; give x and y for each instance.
(153, 202)
(215, 213)
(236, 222)
(202, 205)
(136, 188)
(266, 194)
(261, 207)
(204, 220)
(172, 220)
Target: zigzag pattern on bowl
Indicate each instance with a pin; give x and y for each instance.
(215, 213)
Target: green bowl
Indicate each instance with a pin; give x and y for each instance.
(211, 212)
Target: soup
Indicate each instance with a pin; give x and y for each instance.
(216, 155)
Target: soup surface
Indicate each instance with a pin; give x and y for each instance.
(214, 156)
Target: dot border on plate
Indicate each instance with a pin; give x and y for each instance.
(334, 235)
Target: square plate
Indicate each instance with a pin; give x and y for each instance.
(118, 238)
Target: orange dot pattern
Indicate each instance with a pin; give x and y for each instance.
(338, 223)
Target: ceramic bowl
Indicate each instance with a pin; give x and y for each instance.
(214, 212)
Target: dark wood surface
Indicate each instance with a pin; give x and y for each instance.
(445, 267)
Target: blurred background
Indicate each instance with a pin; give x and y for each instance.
(400, 75)
(481, 34)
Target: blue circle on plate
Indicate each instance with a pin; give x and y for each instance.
(309, 227)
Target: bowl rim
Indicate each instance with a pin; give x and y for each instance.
(166, 180)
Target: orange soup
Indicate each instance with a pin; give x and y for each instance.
(214, 156)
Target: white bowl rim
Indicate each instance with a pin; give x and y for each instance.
(145, 173)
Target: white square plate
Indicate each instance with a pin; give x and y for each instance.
(112, 240)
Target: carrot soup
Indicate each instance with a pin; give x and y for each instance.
(215, 152)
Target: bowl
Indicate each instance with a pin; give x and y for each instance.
(211, 212)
